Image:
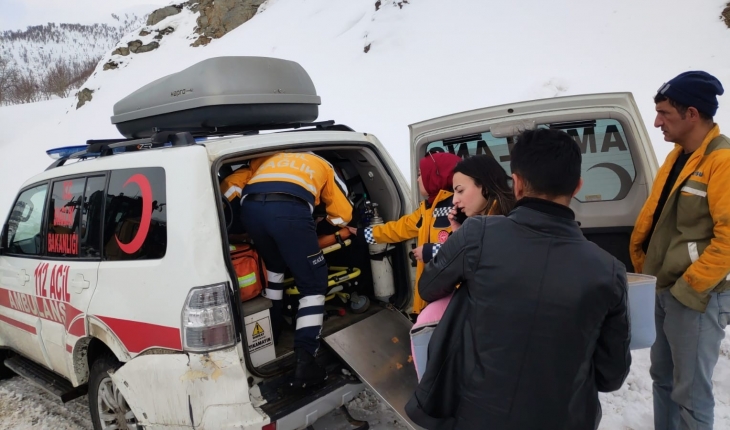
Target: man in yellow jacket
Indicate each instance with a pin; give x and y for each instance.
(682, 237)
(278, 194)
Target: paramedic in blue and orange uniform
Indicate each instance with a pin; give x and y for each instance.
(278, 194)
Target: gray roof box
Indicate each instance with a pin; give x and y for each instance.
(223, 93)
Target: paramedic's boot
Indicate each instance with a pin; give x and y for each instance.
(308, 372)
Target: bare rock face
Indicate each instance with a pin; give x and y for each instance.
(110, 65)
(122, 50)
(163, 13)
(84, 96)
(136, 47)
(147, 48)
(218, 17)
(163, 32)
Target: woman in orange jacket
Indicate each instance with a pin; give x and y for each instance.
(429, 223)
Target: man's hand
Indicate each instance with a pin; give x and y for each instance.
(353, 230)
(418, 253)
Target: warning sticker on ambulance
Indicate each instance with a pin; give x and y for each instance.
(259, 335)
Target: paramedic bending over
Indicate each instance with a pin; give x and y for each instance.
(278, 194)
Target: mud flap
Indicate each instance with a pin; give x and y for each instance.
(378, 350)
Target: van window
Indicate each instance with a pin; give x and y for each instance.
(135, 216)
(24, 224)
(607, 169)
(91, 218)
(64, 210)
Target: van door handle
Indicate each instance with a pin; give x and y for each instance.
(79, 283)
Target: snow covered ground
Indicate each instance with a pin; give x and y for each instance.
(23, 406)
(424, 58)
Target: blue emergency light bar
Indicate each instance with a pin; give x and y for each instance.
(65, 151)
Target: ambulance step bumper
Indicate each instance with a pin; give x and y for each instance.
(45, 379)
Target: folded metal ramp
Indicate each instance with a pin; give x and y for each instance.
(378, 350)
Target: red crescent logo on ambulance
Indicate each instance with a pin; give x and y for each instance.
(144, 223)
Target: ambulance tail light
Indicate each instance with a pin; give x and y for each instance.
(207, 320)
(271, 426)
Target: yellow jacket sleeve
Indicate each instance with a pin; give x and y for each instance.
(233, 184)
(334, 196)
(713, 266)
(402, 229)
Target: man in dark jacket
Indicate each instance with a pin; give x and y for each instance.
(540, 322)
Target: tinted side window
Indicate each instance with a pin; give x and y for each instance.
(64, 210)
(607, 168)
(24, 224)
(135, 218)
(91, 218)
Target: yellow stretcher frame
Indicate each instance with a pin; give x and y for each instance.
(339, 274)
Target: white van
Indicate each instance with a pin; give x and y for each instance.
(115, 271)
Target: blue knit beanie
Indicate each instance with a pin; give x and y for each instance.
(694, 89)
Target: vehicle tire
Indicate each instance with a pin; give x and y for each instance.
(108, 407)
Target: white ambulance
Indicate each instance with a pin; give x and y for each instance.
(115, 270)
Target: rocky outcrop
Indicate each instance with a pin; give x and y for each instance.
(163, 13)
(83, 97)
(122, 50)
(136, 47)
(163, 32)
(110, 65)
(218, 17)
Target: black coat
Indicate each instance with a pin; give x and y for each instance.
(538, 327)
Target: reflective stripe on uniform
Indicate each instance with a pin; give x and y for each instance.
(310, 187)
(273, 294)
(308, 301)
(275, 277)
(233, 190)
(694, 191)
(694, 255)
(337, 221)
(310, 321)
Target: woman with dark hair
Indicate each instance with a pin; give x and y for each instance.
(481, 187)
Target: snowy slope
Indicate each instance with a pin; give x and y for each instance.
(426, 58)
(38, 48)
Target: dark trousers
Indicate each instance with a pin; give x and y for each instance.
(284, 234)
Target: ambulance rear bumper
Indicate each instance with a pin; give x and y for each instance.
(186, 390)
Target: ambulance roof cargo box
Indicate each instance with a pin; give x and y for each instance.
(216, 94)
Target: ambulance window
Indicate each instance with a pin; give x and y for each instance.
(64, 209)
(607, 167)
(24, 224)
(91, 218)
(135, 218)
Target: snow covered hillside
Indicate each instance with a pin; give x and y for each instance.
(423, 59)
(381, 65)
(37, 48)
